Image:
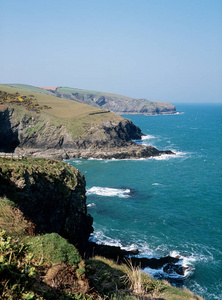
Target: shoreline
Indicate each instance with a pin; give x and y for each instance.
(172, 268)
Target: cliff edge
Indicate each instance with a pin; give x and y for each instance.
(116, 103)
(49, 193)
(39, 125)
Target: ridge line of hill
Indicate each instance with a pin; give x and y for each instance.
(119, 104)
(39, 125)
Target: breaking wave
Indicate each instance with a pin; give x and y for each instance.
(108, 192)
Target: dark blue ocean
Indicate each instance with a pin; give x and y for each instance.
(171, 205)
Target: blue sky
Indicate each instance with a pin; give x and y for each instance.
(162, 50)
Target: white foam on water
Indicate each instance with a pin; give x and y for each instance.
(204, 292)
(163, 157)
(100, 238)
(91, 205)
(178, 154)
(156, 183)
(108, 192)
(184, 261)
(76, 161)
(147, 137)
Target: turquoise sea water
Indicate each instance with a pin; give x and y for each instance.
(166, 206)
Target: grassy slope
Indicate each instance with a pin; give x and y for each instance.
(77, 117)
(118, 99)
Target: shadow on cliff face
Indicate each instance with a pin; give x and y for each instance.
(8, 137)
(50, 205)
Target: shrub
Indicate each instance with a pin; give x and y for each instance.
(52, 248)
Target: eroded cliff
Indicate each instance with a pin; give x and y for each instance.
(65, 129)
(51, 194)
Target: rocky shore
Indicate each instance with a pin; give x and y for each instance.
(168, 264)
(44, 214)
(37, 137)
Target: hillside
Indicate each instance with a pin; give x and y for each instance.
(113, 102)
(40, 125)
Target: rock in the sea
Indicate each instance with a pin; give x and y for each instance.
(169, 264)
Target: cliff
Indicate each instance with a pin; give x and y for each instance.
(47, 198)
(116, 103)
(50, 127)
(49, 193)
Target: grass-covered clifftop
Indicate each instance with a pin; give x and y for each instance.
(117, 103)
(77, 117)
(50, 193)
(39, 125)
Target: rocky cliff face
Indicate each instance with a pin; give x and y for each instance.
(49, 193)
(37, 136)
(116, 103)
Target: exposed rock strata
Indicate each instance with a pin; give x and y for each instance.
(119, 104)
(51, 194)
(113, 102)
(37, 136)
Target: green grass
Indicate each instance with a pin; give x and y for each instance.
(50, 170)
(12, 220)
(123, 102)
(78, 118)
(29, 88)
(52, 248)
(97, 93)
(126, 282)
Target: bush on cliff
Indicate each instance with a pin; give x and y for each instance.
(25, 275)
(52, 248)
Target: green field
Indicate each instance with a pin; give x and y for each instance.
(113, 102)
(77, 117)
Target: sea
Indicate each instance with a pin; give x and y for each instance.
(167, 205)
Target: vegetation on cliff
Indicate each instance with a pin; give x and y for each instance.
(77, 117)
(28, 102)
(116, 103)
(68, 129)
(51, 194)
(38, 263)
(48, 267)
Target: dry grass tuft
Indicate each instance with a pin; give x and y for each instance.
(13, 222)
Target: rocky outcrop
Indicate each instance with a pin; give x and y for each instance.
(49, 193)
(116, 103)
(169, 264)
(9, 139)
(37, 136)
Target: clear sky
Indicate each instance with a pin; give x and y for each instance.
(162, 50)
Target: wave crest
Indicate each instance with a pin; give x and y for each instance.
(108, 192)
